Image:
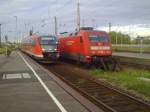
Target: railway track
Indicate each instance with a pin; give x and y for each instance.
(133, 62)
(107, 98)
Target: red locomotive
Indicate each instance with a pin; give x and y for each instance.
(42, 48)
(87, 46)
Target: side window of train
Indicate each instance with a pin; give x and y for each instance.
(81, 39)
(33, 42)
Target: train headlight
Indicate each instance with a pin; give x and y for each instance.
(87, 56)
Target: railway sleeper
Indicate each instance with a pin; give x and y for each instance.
(96, 89)
(91, 91)
(107, 92)
(83, 83)
(89, 86)
(112, 96)
(106, 99)
(103, 97)
(128, 108)
(71, 79)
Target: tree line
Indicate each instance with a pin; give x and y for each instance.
(120, 38)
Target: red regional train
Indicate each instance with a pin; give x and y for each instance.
(86, 45)
(41, 48)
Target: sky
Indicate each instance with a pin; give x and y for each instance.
(133, 15)
(132, 30)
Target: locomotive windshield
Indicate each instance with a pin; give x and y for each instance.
(97, 38)
(47, 40)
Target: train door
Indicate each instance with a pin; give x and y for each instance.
(80, 49)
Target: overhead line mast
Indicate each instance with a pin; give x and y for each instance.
(78, 16)
(0, 34)
(109, 24)
(56, 28)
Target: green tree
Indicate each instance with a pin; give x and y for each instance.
(119, 37)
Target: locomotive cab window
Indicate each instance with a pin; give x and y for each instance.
(98, 38)
(33, 42)
(47, 40)
(48, 43)
(81, 39)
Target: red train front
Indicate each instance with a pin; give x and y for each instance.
(86, 46)
(41, 47)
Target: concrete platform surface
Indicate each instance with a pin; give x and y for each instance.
(21, 91)
(132, 55)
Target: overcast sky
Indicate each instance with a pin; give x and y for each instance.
(40, 14)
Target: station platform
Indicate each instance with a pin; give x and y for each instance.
(22, 91)
(132, 55)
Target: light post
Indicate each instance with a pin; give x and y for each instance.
(117, 34)
(83, 22)
(16, 37)
(6, 40)
(121, 40)
(78, 15)
(25, 26)
(93, 23)
(56, 28)
(116, 38)
(141, 46)
(0, 34)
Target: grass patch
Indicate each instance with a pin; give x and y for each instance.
(10, 48)
(128, 79)
(2, 50)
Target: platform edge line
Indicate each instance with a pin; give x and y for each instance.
(44, 86)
